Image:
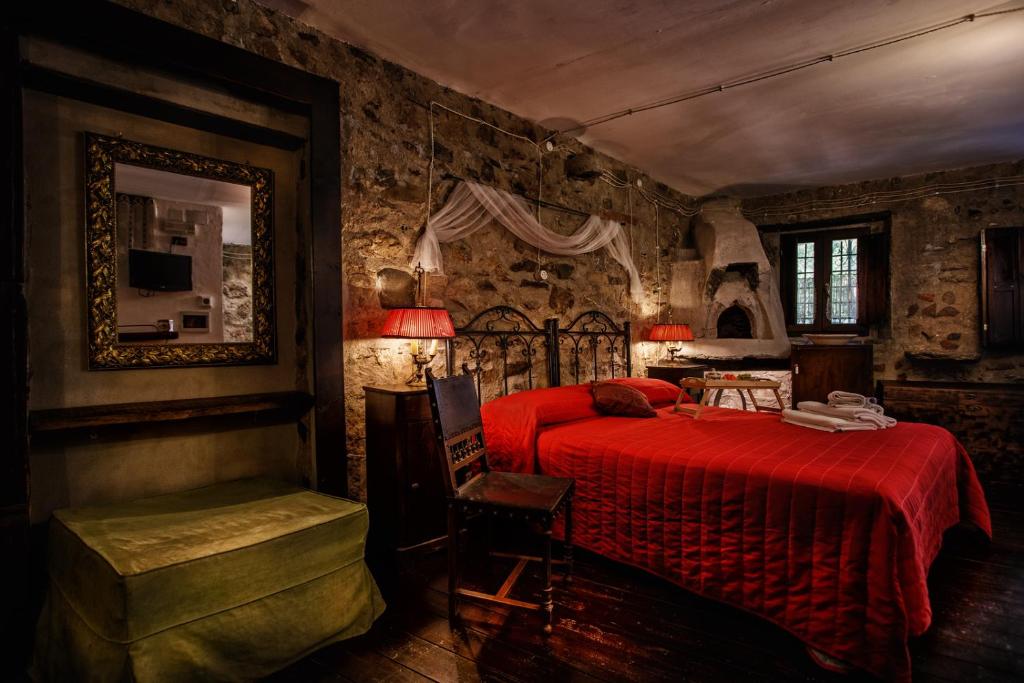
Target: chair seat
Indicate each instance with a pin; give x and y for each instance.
(510, 490)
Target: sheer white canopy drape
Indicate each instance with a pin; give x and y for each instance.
(471, 206)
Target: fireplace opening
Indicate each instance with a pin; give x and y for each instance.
(734, 323)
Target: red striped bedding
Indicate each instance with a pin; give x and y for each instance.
(830, 536)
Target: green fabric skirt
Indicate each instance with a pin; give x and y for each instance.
(229, 582)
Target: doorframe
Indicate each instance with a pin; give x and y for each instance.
(122, 34)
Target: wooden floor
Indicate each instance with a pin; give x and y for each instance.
(614, 623)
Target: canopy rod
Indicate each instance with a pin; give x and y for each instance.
(448, 175)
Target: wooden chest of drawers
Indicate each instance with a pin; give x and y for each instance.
(988, 419)
(818, 370)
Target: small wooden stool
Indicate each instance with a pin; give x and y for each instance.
(740, 385)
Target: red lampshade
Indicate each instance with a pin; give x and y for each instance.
(419, 323)
(670, 332)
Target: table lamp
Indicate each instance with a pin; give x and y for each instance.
(671, 332)
(419, 324)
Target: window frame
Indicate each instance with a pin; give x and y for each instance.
(822, 240)
(872, 297)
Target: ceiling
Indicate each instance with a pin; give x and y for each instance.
(950, 99)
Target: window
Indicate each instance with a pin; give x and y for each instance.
(834, 274)
(842, 285)
(805, 283)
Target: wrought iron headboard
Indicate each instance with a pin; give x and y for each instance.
(587, 332)
(509, 332)
(515, 339)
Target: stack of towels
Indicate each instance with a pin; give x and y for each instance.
(844, 412)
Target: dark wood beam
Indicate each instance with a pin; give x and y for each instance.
(291, 404)
(84, 90)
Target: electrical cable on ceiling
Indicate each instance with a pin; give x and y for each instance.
(882, 197)
(781, 71)
(652, 197)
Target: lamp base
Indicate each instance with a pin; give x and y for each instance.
(421, 360)
(675, 354)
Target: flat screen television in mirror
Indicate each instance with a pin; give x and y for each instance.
(155, 271)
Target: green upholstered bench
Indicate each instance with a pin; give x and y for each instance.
(228, 582)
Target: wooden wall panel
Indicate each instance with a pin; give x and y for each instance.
(988, 419)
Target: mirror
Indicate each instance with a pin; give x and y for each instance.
(184, 258)
(179, 258)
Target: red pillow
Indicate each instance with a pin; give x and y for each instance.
(616, 398)
(658, 392)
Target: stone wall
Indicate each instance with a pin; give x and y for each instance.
(934, 329)
(237, 292)
(385, 156)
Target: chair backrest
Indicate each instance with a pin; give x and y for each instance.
(458, 429)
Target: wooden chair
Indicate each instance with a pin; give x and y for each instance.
(473, 488)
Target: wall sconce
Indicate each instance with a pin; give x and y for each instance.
(671, 332)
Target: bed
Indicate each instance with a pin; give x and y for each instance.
(829, 536)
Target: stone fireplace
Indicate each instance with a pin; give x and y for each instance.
(735, 322)
(726, 289)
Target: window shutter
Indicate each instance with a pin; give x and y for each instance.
(875, 247)
(1003, 279)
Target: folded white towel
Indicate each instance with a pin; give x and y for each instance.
(824, 422)
(875, 417)
(850, 399)
(863, 414)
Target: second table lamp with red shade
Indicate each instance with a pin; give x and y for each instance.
(672, 334)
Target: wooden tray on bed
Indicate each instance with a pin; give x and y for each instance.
(740, 385)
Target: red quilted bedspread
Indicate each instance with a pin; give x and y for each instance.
(828, 535)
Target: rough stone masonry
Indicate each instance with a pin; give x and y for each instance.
(934, 327)
(386, 154)
(385, 157)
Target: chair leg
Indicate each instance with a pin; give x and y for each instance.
(548, 603)
(568, 541)
(453, 563)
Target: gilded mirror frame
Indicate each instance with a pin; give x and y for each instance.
(102, 153)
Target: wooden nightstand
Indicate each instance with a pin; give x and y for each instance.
(675, 372)
(404, 487)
